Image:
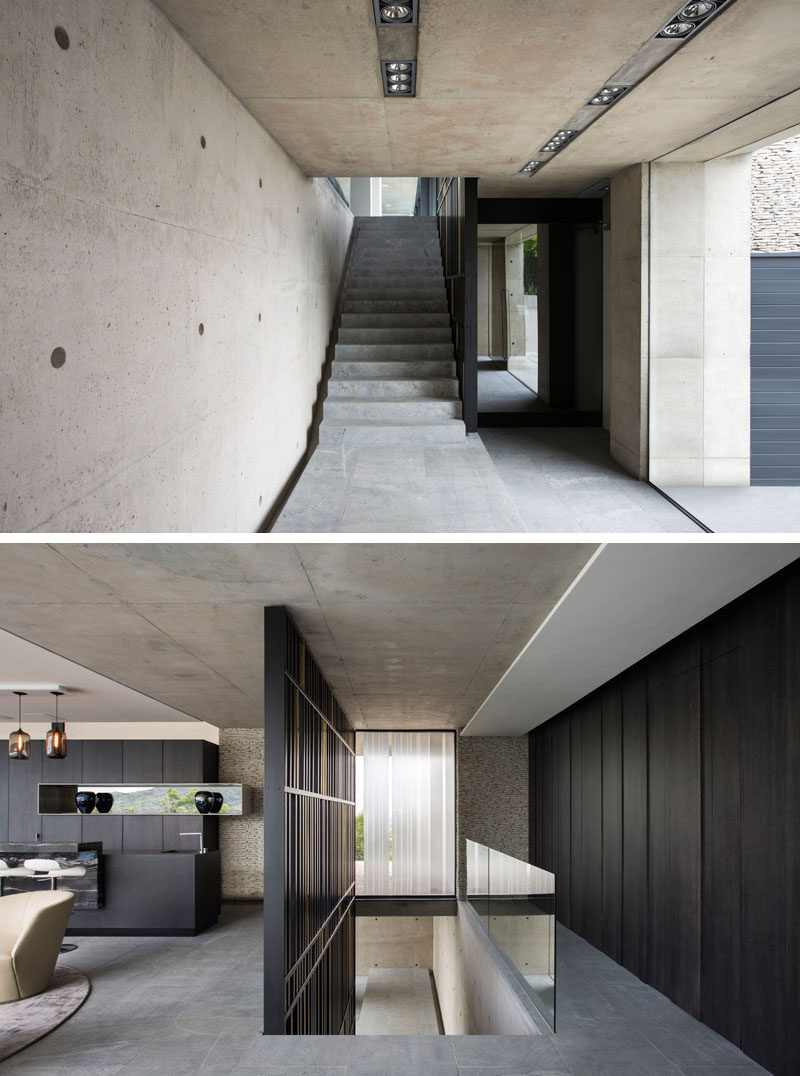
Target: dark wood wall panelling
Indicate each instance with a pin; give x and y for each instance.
(107, 762)
(309, 843)
(668, 805)
(457, 214)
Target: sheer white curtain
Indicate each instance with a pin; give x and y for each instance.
(409, 790)
(377, 816)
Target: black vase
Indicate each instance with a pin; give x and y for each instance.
(218, 801)
(85, 802)
(204, 801)
(105, 801)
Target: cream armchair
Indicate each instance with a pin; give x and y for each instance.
(32, 927)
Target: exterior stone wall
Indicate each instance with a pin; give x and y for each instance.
(492, 799)
(241, 760)
(776, 198)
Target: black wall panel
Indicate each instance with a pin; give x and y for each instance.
(23, 797)
(687, 803)
(61, 771)
(562, 818)
(102, 764)
(142, 760)
(722, 845)
(635, 928)
(611, 815)
(766, 1008)
(4, 793)
(591, 891)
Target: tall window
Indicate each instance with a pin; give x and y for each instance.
(405, 808)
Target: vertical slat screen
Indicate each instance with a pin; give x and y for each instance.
(318, 869)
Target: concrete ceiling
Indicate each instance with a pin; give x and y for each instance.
(408, 635)
(495, 80)
(629, 600)
(89, 696)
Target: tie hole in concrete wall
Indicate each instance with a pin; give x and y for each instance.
(58, 358)
(62, 37)
(201, 328)
(203, 141)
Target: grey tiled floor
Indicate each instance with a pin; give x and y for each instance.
(192, 1005)
(560, 480)
(500, 390)
(742, 509)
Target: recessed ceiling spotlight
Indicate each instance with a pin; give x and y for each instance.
(558, 141)
(697, 9)
(399, 77)
(677, 29)
(531, 167)
(395, 12)
(608, 94)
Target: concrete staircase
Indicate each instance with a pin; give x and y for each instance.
(393, 379)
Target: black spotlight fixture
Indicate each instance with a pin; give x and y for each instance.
(55, 743)
(558, 141)
(608, 94)
(19, 742)
(395, 12)
(691, 17)
(531, 167)
(399, 79)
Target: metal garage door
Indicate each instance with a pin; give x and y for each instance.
(775, 370)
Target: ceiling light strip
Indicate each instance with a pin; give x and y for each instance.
(690, 18)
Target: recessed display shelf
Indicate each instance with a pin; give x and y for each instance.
(145, 799)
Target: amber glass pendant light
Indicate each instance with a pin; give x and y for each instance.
(55, 744)
(19, 742)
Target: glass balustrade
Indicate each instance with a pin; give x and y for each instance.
(516, 903)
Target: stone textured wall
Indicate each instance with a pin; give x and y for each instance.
(241, 759)
(492, 807)
(776, 198)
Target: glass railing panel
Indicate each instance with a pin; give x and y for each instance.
(478, 879)
(516, 902)
(522, 922)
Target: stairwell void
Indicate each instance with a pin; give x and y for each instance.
(393, 377)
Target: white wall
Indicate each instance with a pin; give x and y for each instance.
(122, 235)
(700, 323)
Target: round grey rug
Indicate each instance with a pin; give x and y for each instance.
(23, 1022)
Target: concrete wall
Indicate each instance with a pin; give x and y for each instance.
(477, 993)
(627, 310)
(393, 941)
(122, 235)
(241, 759)
(775, 226)
(700, 323)
(492, 799)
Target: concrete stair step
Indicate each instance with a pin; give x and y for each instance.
(394, 306)
(448, 431)
(396, 409)
(423, 272)
(394, 321)
(443, 351)
(385, 294)
(425, 335)
(429, 285)
(365, 388)
(392, 368)
(411, 241)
